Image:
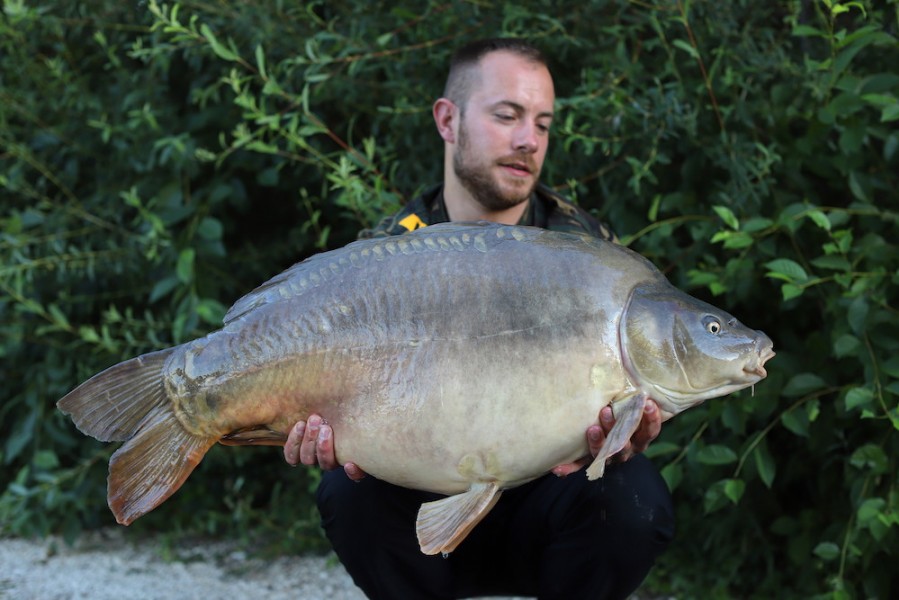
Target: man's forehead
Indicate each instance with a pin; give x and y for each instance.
(507, 78)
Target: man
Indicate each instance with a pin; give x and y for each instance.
(556, 537)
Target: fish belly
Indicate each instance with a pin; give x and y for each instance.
(479, 418)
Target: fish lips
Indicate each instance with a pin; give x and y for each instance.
(765, 354)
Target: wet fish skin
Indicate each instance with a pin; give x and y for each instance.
(461, 359)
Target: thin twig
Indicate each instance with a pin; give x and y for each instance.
(705, 75)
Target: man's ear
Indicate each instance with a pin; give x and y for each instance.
(445, 115)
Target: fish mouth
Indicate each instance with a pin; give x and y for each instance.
(752, 374)
(759, 371)
(765, 354)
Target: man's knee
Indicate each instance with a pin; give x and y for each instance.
(635, 500)
(366, 505)
(334, 491)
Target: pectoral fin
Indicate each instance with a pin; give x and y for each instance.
(628, 414)
(443, 524)
(257, 435)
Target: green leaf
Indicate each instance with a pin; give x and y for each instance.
(764, 464)
(755, 224)
(716, 454)
(733, 489)
(727, 216)
(20, 436)
(890, 113)
(88, 334)
(880, 100)
(185, 267)
(653, 214)
(59, 318)
(870, 456)
(827, 550)
(871, 509)
(210, 229)
(672, 474)
(844, 7)
(858, 315)
(271, 88)
(846, 345)
(787, 270)
(790, 291)
(733, 239)
(260, 61)
(803, 383)
(807, 30)
(820, 219)
(686, 47)
(216, 46)
(796, 421)
(263, 147)
(163, 287)
(837, 263)
(384, 39)
(657, 449)
(211, 311)
(855, 186)
(859, 397)
(891, 366)
(46, 460)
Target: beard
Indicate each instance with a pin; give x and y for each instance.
(477, 177)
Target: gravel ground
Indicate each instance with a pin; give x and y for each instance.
(107, 565)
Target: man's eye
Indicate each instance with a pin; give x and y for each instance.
(503, 117)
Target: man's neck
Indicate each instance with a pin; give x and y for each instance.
(461, 206)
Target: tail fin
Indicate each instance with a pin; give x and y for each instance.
(111, 405)
(127, 402)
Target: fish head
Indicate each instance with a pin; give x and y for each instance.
(682, 351)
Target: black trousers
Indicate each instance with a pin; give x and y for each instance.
(553, 538)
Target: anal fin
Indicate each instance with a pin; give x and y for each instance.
(443, 524)
(628, 414)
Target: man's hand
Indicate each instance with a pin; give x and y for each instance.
(312, 442)
(648, 430)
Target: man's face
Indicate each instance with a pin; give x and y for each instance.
(503, 131)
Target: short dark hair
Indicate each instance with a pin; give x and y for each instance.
(461, 74)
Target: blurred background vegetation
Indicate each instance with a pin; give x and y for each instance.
(159, 160)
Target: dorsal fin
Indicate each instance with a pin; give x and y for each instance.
(443, 237)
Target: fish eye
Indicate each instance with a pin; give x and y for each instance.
(712, 326)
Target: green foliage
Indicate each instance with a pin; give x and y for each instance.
(159, 160)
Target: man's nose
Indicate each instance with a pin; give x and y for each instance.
(525, 139)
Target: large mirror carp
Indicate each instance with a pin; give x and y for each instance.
(462, 359)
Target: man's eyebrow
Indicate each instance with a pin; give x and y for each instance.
(520, 108)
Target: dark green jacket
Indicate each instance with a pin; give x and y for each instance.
(546, 209)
